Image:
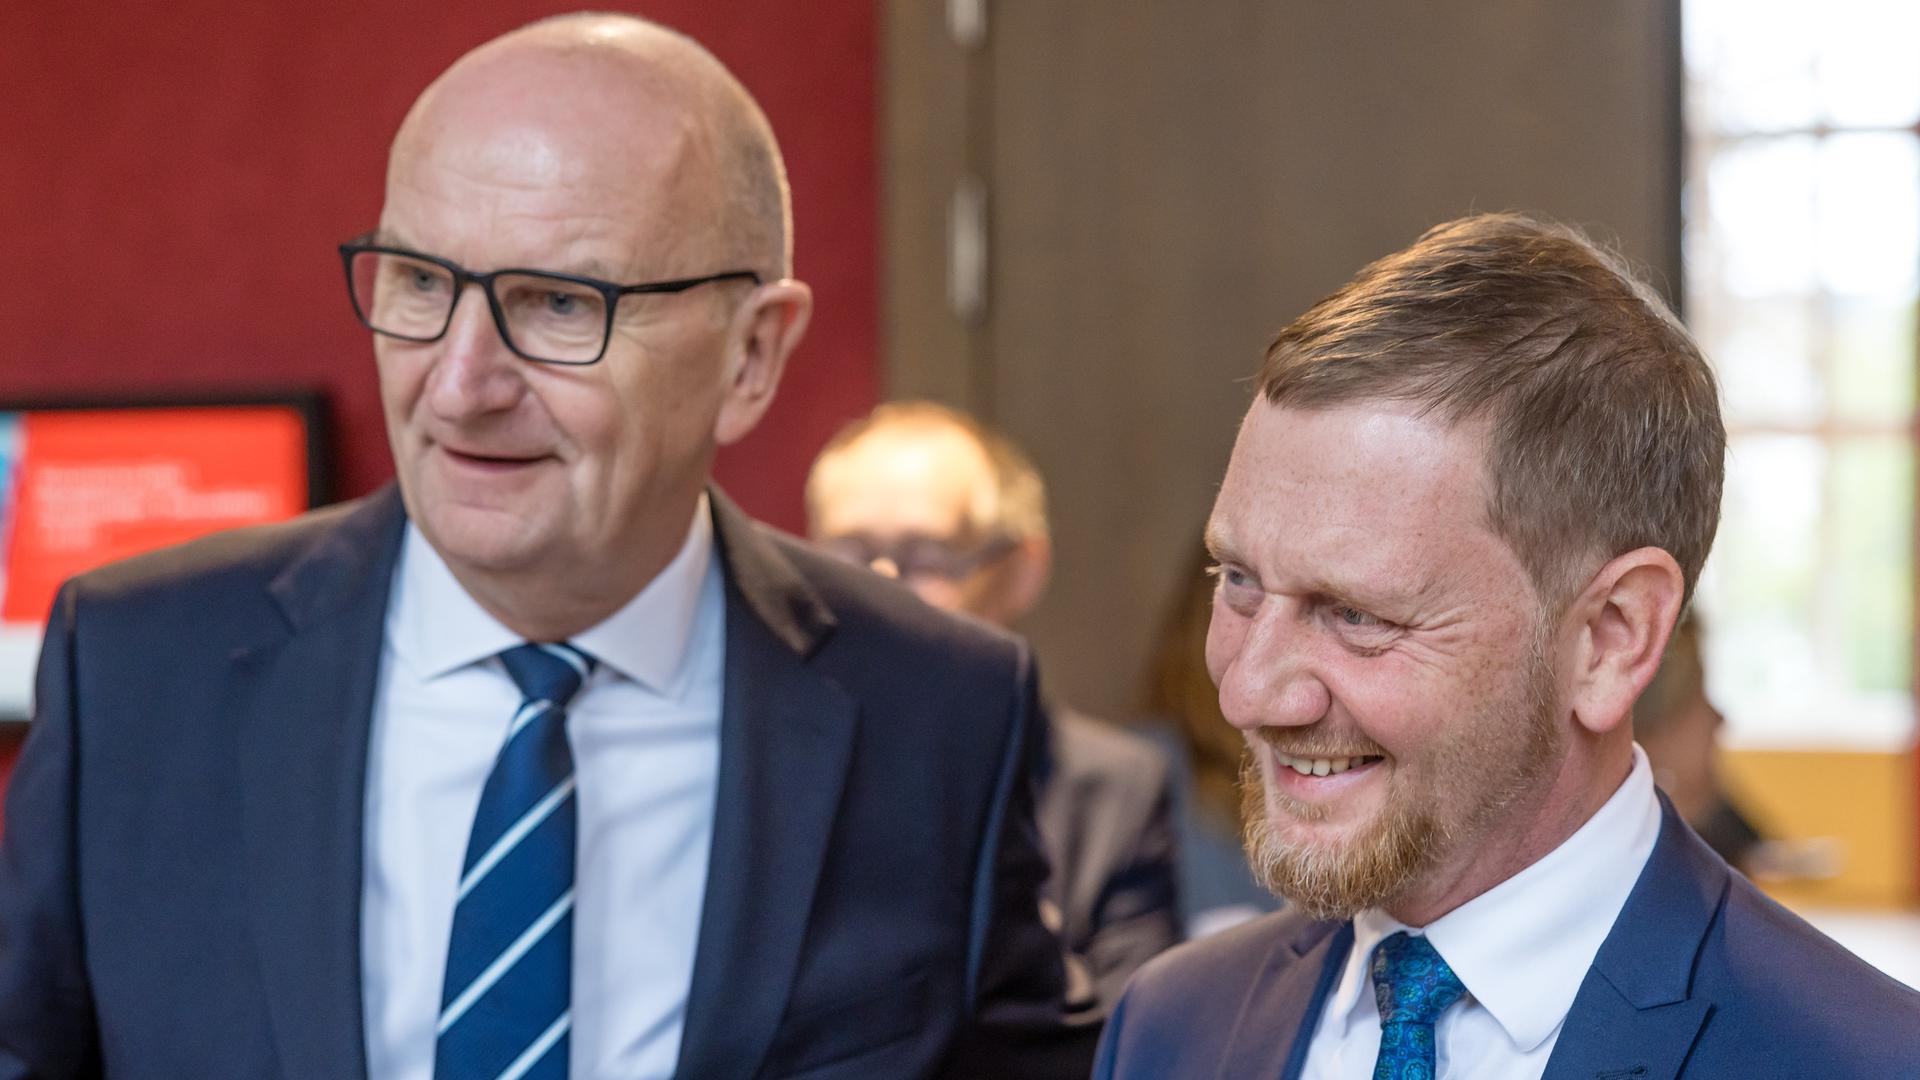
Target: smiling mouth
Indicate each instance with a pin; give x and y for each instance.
(489, 459)
(1324, 766)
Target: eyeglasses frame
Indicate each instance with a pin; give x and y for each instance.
(960, 567)
(609, 291)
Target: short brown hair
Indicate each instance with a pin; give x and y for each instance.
(1603, 418)
(1016, 507)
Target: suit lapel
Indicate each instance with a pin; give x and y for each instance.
(1636, 1015)
(1282, 1008)
(1608, 1038)
(303, 702)
(786, 738)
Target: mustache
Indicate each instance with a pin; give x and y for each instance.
(1309, 743)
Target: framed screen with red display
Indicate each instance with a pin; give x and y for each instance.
(86, 483)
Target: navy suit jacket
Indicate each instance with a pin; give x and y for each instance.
(1702, 978)
(1106, 822)
(181, 877)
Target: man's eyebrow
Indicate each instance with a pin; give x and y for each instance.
(1219, 547)
(593, 268)
(1374, 595)
(598, 269)
(1222, 549)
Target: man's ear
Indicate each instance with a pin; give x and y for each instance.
(760, 337)
(1621, 622)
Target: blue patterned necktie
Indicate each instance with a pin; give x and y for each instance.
(1412, 986)
(505, 1010)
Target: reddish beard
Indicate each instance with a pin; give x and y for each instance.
(1333, 882)
(1409, 837)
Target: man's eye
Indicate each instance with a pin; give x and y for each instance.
(1355, 617)
(1233, 577)
(420, 279)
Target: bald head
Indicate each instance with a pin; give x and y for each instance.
(552, 445)
(928, 494)
(920, 449)
(616, 100)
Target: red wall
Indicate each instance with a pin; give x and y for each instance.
(174, 177)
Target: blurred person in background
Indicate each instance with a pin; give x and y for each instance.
(1217, 887)
(957, 513)
(1679, 728)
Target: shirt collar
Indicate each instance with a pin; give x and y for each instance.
(437, 628)
(1523, 947)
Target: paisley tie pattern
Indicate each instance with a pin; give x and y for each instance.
(1412, 986)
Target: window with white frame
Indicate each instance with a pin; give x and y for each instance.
(1802, 251)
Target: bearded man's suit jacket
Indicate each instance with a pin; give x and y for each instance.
(181, 878)
(1701, 978)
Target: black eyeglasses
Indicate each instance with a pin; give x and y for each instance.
(543, 316)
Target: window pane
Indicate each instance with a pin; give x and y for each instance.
(1752, 63)
(1871, 354)
(1871, 605)
(1764, 352)
(1869, 209)
(1756, 595)
(1807, 600)
(1868, 66)
(1759, 237)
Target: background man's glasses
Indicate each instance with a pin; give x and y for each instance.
(920, 557)
(543, 316)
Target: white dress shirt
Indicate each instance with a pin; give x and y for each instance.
(1521, 949)
(645, 731)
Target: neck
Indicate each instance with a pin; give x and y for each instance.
(558, 601)
(1509, 843)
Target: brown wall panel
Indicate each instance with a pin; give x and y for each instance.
(1172, 182)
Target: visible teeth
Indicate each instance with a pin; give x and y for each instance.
(1319, 766)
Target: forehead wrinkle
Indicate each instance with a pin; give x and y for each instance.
(519, 240)
(1358, 503)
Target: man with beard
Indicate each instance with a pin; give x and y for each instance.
(1472, 496)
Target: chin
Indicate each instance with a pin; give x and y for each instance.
(1334, 859)
(487, 540)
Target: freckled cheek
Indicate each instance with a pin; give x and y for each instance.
(1225, 634)
(1400, 714)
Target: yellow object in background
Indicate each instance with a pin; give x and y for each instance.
(1851, 810)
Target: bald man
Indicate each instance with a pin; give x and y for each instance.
(958, 513)
(544, 762)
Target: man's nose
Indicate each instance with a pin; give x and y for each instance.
(476, 372)
(1268, 678)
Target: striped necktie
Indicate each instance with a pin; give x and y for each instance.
(1413, 986)
(505, 1010)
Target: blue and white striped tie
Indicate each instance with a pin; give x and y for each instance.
(505, 1010)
